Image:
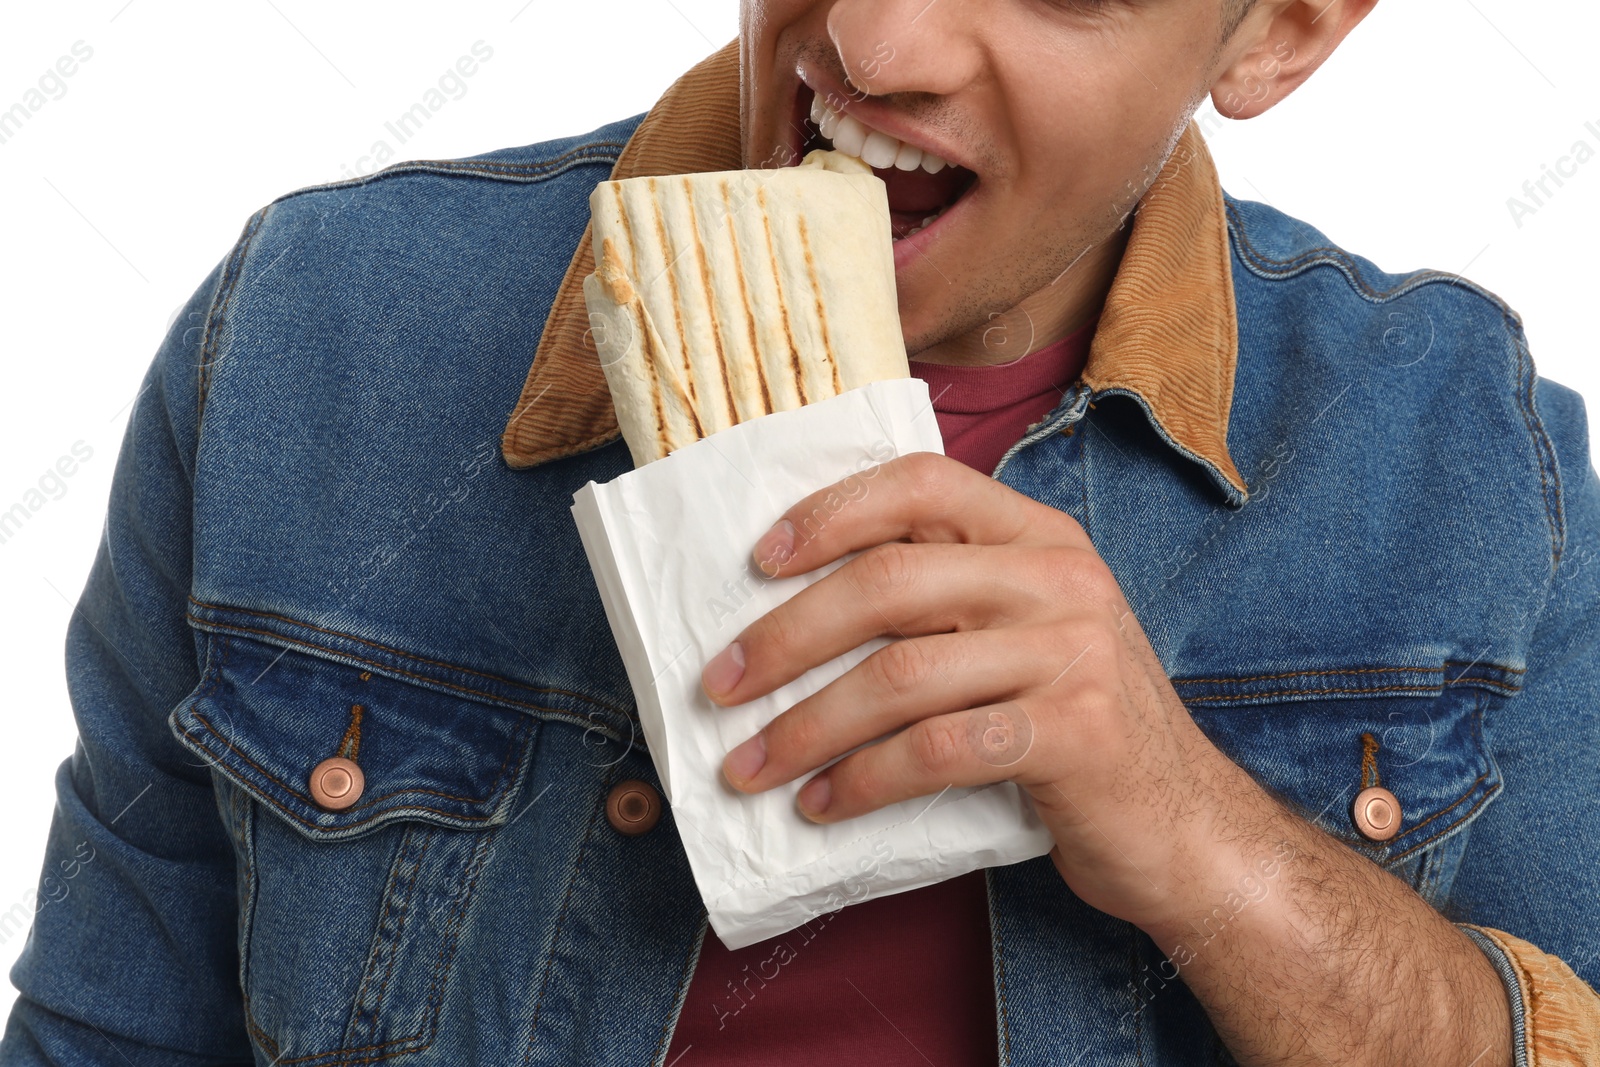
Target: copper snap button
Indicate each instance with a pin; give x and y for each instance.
(633, 807)
(1376, 813)
(337, 783)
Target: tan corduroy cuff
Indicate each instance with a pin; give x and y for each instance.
(1558, 1013)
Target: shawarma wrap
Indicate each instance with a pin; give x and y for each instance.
(723, 296)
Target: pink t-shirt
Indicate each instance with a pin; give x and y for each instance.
(905, 978)
(984, 410)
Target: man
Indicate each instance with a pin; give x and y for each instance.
(1287, 587)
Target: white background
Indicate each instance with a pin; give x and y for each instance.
(121, 195)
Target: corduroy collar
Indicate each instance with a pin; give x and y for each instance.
(1168, 334)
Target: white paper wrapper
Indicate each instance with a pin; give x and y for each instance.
(670, 545)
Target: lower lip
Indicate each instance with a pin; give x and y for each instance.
(907, 250)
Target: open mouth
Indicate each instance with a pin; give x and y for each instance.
(923, 187)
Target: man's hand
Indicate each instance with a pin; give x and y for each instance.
(1021, 660)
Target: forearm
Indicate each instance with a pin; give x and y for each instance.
(1304, 952)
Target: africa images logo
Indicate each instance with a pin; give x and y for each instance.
(51, 85)
(51, 485)
(1537, 192)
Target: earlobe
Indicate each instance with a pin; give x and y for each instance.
(1283, 52)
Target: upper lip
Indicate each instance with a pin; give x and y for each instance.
(880, 117)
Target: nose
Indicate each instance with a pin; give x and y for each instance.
(899, 46)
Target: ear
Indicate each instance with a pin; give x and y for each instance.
(1278, 46)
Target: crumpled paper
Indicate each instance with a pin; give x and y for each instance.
(670, 547)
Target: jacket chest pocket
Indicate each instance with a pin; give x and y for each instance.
(1320, 751)
(355, 885)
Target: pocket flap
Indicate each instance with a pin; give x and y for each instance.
(1427, 749)
(265, 716)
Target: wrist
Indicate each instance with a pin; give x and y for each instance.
(1230, 861)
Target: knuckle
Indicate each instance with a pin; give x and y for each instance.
(1095, 705)
(1096, 579)
(1003, 735)
(1086, 577)
(1085, 637)
(887, 569)
(936, 746)
(1097, 719)
(897, 670)
(925, 474)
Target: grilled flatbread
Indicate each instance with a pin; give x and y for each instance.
(723, 296)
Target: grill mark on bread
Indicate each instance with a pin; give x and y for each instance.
(783, 309)
(688, 406)
(822, 318)
(658, 362)
(672, 289)
(711, 303)
(744, 300)
(663, 435)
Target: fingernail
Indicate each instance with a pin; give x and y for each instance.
(775, 548)
(813, 799)
(725, 670)
(747, 759)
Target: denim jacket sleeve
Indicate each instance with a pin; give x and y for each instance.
(1533, 867)
(132, 956)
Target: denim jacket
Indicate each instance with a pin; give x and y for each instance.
(1386, 573)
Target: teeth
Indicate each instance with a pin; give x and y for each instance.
(876, 148)
(850, 136)
(880, 150)
(923, 225)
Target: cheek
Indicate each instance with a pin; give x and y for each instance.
(770, 33)
(758, 14)
(763, 22)
(1092, 121)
